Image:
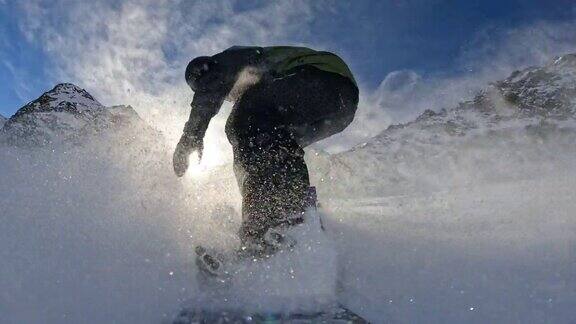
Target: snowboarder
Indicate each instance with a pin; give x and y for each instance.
(285, 98)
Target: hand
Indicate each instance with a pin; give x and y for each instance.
(181, 155)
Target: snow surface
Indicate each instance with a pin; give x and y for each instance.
(458, 217)
(495, 253)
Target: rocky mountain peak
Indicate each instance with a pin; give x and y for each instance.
(63, 97)
(70, 91)
(547, 91)
(68, 113)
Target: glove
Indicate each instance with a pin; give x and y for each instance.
(181, 156)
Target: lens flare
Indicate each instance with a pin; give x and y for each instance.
(211, 158)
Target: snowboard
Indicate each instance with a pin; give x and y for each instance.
(212, 275)
(336, 315)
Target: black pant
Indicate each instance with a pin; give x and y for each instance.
(268, 127)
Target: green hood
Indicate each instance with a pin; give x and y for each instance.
(282, 59)
(285, 58)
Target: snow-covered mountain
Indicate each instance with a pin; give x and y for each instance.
(2, 121)
(539, 93)
(528, 107)
(68, 114)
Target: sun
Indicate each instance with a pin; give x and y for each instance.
(214, 156)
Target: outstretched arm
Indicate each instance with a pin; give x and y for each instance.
(211, 82)
(204, 107)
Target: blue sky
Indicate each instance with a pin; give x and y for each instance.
(376, 37)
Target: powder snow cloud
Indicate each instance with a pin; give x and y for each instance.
(135, 52)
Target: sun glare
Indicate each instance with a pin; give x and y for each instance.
(211, 159)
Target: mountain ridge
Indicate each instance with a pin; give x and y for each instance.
(520, 118)
(67, 114)
(548, 92)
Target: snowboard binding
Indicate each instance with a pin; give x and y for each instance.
(207, 262)
(212, 267)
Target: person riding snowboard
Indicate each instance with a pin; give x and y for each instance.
(285, 98)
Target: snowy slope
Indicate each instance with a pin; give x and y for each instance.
(466, 214)
(518, 116)
(90, 197)
(2, 121)
(493, 253)
(97, 223)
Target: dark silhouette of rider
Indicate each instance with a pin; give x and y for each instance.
(285, 98)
